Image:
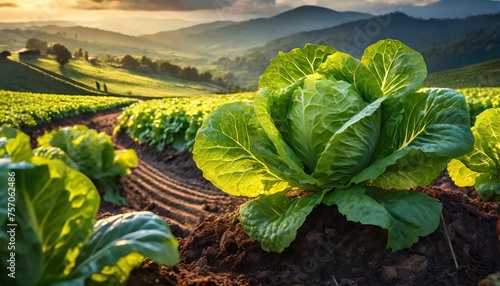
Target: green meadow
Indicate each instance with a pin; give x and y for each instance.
(120, 81)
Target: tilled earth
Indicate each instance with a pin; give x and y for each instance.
(329, 250)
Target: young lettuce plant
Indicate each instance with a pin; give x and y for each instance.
(357, 134)
(480, 167)
(91, 153)
(57, 241)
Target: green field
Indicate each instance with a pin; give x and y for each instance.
(485, 74)
(121, 81)
(21, 77)
(19, 109)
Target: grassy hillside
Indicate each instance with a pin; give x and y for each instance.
(485, 74)
(120, 81)
(17, 76)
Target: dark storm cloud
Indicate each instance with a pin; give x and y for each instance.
(163, 5)
(8, 5)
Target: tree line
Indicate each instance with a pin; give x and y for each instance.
(147, 65)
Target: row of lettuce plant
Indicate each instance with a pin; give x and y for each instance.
(356, 134)
(20, 109)
(481, 98)
(171, 121)
(50, 210)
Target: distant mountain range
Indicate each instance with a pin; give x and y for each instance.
(231, 38)
(444, 43)
(452, 9)
(420, 34)
(137, 25)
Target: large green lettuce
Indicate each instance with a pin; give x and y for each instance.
(481, 166)
(353, 133)
(92, 153)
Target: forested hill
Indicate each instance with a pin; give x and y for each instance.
(445, 43)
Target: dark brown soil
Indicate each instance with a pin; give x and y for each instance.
(329, 250)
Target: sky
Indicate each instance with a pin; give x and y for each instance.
(193, 10)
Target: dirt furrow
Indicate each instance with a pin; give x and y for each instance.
(185, 215)
(154, 177)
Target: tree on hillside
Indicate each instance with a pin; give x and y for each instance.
(153, 66)
(128, 62)
(4, 55)
(34, 44)
(170, 69)
(63, 55)
(189, 73)
(206, 76)
(86, 56)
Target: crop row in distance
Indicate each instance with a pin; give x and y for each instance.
(479, 99)
(171, 121)
(18, 109)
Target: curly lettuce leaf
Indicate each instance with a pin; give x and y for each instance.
(481, 166)
(397, 68)
(341, 66)
(15, 144)
(55, 213)
(274, 220)
(318, 110)
(351, 148)
(420, 134)
(55, 153)
(406, 215)
(460, 174)
(288, 68)
(119, 244)
(236, 154)
(263, 104)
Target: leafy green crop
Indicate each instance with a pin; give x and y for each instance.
(480, 167)
(57, 241)
(18, 109)
(171, 121)
(355, 134)
(91, 153)
(480, 99)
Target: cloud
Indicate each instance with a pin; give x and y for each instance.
(166, 5)
(8, 5)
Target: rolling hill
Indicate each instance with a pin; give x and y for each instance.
(484, 74)
(233, 38)
(118, 81)
(17, 76)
